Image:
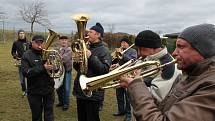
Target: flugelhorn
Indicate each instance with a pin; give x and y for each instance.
(92, 83)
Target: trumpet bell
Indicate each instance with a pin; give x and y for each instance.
(83, 84)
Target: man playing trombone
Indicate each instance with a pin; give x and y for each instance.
(192, 98)
(121, 93)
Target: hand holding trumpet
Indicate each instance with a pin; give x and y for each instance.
(126, 79)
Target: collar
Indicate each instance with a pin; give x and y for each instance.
(199, 67)
(38, 52)
(93, 45)
(157, 55)
(23, 40)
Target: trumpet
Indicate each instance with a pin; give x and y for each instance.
(92, 83)
(115, 83)
(118, 55)
(17, 62)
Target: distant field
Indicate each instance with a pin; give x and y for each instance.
(15, 108)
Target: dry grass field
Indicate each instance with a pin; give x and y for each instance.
(15, 108)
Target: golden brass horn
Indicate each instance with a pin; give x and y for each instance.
(118, 55)
(79, 46)
(92, 83)
(52, 56)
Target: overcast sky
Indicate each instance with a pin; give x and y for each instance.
(129, 16)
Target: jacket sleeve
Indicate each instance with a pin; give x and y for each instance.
(29, 71)
(197, 107)
(13, 50)
(66, 57)
(131, 54)
(102, 65)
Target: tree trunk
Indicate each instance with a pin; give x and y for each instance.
(32, 29)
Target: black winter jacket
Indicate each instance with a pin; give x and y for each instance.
(19, 47)
(98, 64)
(38, 80)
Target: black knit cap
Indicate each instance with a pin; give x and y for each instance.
(38, 38)
(21, 30)
(201, 37)
(148, 39)
(63, 37)
(98, 28)
(125, 39)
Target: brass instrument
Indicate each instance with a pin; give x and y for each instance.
(17, 62)
(118, 55)
(79, 46)
(52, 56)
(92, 83)
(115, 83)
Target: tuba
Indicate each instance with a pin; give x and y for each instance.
(79, 46)
(52, 56)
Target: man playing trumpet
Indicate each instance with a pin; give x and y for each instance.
(121, 93)
(150, 48)
(192, 98)
(18, 48)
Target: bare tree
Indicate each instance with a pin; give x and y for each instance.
(3, 16)
(111, 28)
(35, 13)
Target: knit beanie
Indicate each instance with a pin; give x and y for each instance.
(201, 37)
(63, 37)
(38, 38)
(21, 30)
(98, 28)
(148, 39)
(125, 39)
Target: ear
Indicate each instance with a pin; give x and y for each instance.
(98, 34)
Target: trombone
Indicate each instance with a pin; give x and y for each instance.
(92, 83)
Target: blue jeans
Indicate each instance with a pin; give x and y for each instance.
(64, 91)
(123, 101)
(22, 79)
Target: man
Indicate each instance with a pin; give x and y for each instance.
(150, 48)
(64, 91)
(40, 85)
(99, 61)
(121, 92)
(18, 48)
(191, 99)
